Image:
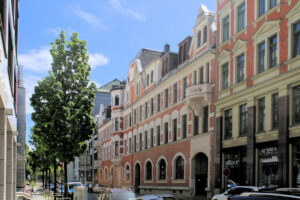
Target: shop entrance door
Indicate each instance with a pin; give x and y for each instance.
(201, 174)
(137, 177)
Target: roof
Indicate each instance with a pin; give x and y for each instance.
(146, 56)
(108, 86)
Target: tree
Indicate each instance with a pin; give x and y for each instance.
(63, 101)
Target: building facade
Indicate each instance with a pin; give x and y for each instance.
(159, 137)
(8, 97)
(258, 93)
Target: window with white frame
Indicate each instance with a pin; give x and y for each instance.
(179, 165)
(162, 169)
(296, 105)
(225, 28)
(273, 51)
(241, 17)
(175, 93)
(205, 34)
(261, 57)
(240, 69)
(146, 140)
(261, 7)
(148, 171)
(225, 76)
(261, 114)
(296, 39)
(199, 39)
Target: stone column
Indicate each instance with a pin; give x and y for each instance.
(3, 144)
(14, 170)
(9, 166)
(251, 145)
(283, 145)
(218, 154)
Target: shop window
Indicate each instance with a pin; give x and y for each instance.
(184, 126)
(243, 120)
(296, 39)
(261, 57)
(166, 98)
(240, 68)
(179, 163)
(158, 135)
(151, 137)
(268, 166)
(296, 105)
(205, 119)
(296, 165)
(241, 16)
(148, 171)
(261, 114)
(273, 51)
(166, 132)
(236, 160)
(174, 129)
(140, 142)
(225, 28)
(225, 76)
(228, 124)
(275, 111)
(162, 169)
(175, 93)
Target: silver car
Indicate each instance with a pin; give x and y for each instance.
(237, 190)
(157, 197)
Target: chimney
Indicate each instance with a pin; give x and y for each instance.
(166, 48)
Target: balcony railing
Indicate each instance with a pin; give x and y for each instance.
(202, 90)
(98, 163)
(117, 160)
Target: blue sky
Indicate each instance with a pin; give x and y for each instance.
(115, 31)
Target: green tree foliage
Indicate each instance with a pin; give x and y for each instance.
(63, 102)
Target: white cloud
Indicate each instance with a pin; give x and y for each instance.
(38, 60)
(116, 5)
(98, 84)
(90, 18)
(30, 81)
(97, 60)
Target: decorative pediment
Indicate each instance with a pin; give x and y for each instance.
(224, 54)
(294, 12)
(203, 12)
(239, 44)
(267, 28)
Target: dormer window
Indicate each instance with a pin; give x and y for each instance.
(205, 34)
(199, 39)
(116, 100)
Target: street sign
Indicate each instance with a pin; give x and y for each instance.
(226, 172)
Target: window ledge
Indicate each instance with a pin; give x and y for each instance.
(161, 181)
(240, 32)
(178, 181)
(266, 14)
(293, 59)
(148, 181)
(223, 43)
(238, 84)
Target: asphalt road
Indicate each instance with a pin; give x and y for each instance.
(92, 196)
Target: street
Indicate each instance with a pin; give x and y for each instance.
(92, 196)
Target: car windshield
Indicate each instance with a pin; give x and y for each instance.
(74, 185)
(122, 196)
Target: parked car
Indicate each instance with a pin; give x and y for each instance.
(263, 196)
(71, 186)
(235, 191)
(157, 197)
(97, 188)
(116, 194)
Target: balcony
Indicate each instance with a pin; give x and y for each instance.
(97, 144)
(98, 164)
(117, 160)
(199, 92)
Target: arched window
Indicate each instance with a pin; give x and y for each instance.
(179, 163)
(148, 171)
(127, 172)
(105, 174)
(116, 100)
(162, 169)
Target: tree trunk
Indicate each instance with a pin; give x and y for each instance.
(54, 162)
(43, 179)
(46, 181)
(66, 179)
(49, 182)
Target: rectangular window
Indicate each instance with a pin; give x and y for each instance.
(134, 120)
(146, 110)
(261, 7)
(175, 93)
(151, 137)
(130, 143)
(296, 105)
(152, 76)
(241, 17)
(184, 83)
(116, 148)
(166, 98)
(158, 102)
(184, 126)
(207, 73)
(225, 76)
(273, 51)
(174, 129)
(126, 121)
(205, 119)
(130, 122)
(240, 68)
(196, 125)
(141, 142)
(146, 140)
(125, 147)
(226, 28)
(134, 143)
(205, 34)
(243, 120)
(261, 57)
(152, 106)
(166, 132)
(199, 39)
(296, 38)
(228, 124)
(273, 3)
(201, 75)
(116, 124)
(275, 111)
(195, 77)
(261, 114)
(141, 113)
(158, 135)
